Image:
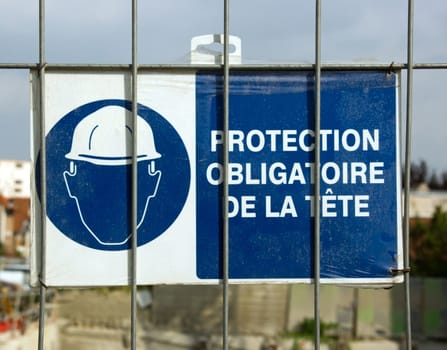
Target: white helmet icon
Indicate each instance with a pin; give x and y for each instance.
(105, 137)
(101, 150)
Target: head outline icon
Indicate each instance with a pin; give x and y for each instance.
(104, 139)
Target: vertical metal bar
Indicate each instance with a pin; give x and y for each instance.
(408, 131)
(317, 174)
(225, 225)
(133, 321)
(43, 184)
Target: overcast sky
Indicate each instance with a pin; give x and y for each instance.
(272, 31)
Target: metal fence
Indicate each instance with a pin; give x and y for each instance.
(317, 66)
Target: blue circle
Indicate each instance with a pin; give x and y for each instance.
(111, 203)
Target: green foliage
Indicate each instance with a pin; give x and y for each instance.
(429, 246)
(306, 329)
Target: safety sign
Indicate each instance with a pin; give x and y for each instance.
(86, 233)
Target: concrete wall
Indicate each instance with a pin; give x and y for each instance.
(189, 309)
(362, 313)
(260, 309)
(275, 309)
(254, 309)
(370, 313)
(92, 319)
(336, 305)
(428, 311)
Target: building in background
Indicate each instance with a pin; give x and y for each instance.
(15, 178)
(423, 202)
(15, 193)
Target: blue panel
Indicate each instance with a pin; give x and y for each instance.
(271, 133)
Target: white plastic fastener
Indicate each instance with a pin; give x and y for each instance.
(208, 49)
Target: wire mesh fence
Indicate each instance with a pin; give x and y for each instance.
(317, 43)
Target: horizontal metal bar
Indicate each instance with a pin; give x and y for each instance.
(19, 65)
(123, 67)
(429, 66)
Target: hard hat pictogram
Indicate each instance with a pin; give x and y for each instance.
(89, 165)
(105, 137)
(104, 140)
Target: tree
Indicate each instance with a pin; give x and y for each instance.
(418, 173)
(434, 183)
(444, 180)
(428, 242)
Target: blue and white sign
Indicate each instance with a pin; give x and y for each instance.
(271, 165)
(89, 137)
(90, 202)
